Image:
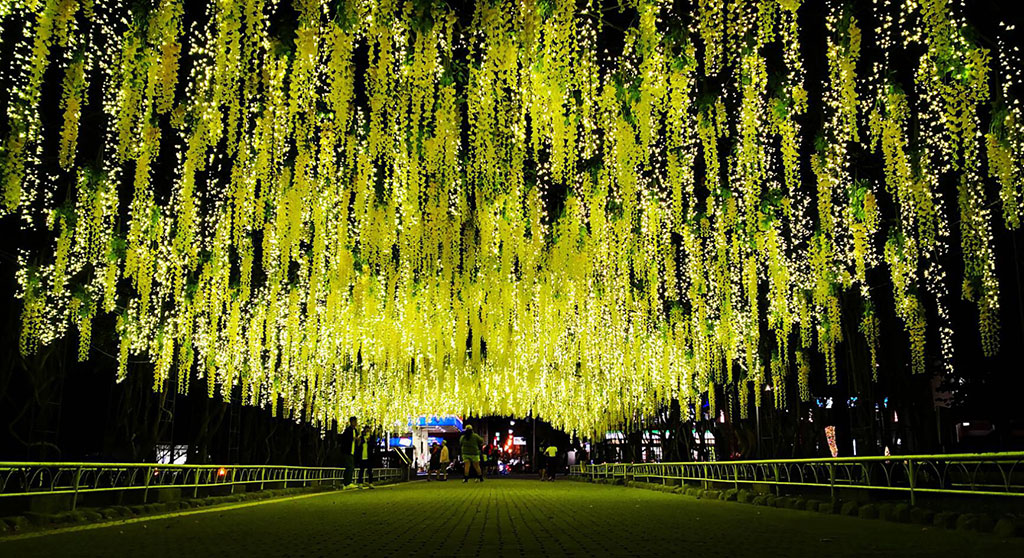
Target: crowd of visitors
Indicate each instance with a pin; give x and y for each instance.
(440, 459)
(359, 449)
(480, 460)
(548, 461)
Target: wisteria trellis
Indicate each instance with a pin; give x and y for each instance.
(387, 208)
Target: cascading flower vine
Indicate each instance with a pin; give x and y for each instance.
(389, 207)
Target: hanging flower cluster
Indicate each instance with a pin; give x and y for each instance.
(387, 208)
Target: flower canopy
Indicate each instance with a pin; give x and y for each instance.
(574, 209)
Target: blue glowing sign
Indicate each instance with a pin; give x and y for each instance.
(436, 421)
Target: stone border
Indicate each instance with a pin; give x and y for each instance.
(1003, 526)
(31, 522)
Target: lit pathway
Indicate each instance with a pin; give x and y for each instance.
(509, 518)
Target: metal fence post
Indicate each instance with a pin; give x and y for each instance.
(736, 477)
(195, 490)
(145, 491)
(775, 469)
(78, 478)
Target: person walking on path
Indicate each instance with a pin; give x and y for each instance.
(364, 449)
(470, 444)
(445, 460)
(435, 461)
(491, 460)
(551, 459)
(348, 451)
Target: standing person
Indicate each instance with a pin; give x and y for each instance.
(543, 461)
(551, 457)
(492, 459)
(435, 461)
(470, 444)
(348, 451)
(485, 459)
(445, 459)
(364, 447)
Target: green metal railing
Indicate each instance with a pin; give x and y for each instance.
(34, 479)
(987, 474)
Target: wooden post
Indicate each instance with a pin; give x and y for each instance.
(832, 480)
(910, 472)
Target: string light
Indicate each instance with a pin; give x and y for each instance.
(383, 210)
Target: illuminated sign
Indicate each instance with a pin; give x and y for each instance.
(436, 421)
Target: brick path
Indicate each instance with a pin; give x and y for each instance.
(509, 518)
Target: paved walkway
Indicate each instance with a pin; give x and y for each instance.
(509, 518)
